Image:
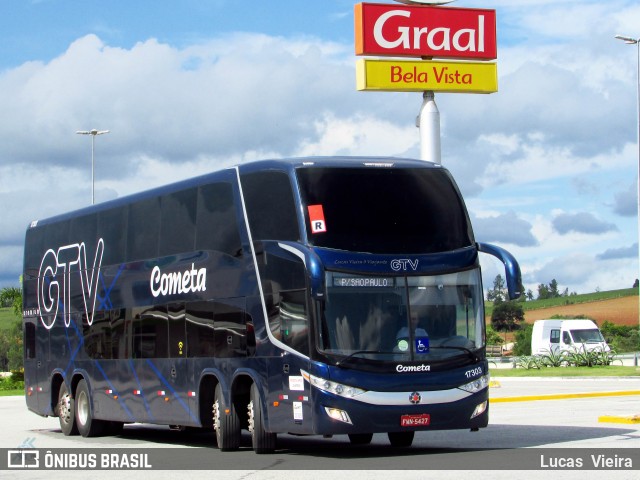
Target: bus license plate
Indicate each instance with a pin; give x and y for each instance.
(422, 420)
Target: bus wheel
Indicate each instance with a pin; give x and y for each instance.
(360, 438)
(261, 440)
(87, 425)
(225, 423)
(401, 439)
(66, 411)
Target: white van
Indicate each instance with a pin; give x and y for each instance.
(558, 335)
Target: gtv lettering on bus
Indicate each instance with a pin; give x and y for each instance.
(177, 282)
(59, 265)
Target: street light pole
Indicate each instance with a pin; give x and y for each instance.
(93, 134)
(636, 41)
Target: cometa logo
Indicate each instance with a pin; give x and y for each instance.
(178, 282)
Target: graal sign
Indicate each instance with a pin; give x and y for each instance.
(421, 31)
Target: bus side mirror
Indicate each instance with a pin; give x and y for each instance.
(511, 267)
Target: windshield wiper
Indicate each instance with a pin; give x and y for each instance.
(473, 355)
(360, 352)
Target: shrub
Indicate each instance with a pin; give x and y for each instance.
(528, 362)
(554, 358)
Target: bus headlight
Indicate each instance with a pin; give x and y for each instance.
(332, 387)
(480, 409)
(338, 414)
(476, 385)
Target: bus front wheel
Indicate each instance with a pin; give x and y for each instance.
(66, 411)
(261, 440)
(225, 423)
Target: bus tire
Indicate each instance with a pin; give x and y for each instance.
(261, 440)
(401, 439)
(88, 426)
(226, 425)
(360, 438)
(66, 411)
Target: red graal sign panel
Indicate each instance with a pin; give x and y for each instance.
(419, 31)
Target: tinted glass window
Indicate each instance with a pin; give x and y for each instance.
(151, 333)
(384, 210)
(112, 228)
(144, 229)
(199, 324)
(97, 336)
(33, 251)
(178, 222)
(29, 339)
(84, 229)
(217, 223)
(119, 324)
(285, 295)
(230, 329)
(270, 206)
(177, 334)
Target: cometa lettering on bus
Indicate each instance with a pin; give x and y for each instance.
(178, 282)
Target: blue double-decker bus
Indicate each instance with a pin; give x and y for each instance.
(305, 296)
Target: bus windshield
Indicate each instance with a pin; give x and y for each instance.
(413, 318)
(382, 210)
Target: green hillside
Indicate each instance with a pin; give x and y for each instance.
(570, 300)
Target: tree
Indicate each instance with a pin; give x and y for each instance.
(543, 292)
(523, 340)
(507, 316)
(498, 293)
(8, 296)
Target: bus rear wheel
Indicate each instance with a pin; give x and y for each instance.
(87, 425)
(261, 440)
(66, 411)
(225, 423)
(401, 439)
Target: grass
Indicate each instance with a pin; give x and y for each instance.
(11, 393)
(7, 318)
(598, 371)
(570, 300)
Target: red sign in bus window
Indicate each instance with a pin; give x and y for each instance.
(316, 217)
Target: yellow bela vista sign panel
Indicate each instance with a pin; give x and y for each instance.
(418, 76)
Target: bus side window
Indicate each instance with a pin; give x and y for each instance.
(199, 327)
(216, 220)
(555, 336)
(230, 328)
(151, 333)
(177, 222)
(284, 286)
(119, 346)
(30, 339)
(566, 338)
(143, 229)
(177, 333)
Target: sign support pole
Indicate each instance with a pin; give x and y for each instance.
(429, 124)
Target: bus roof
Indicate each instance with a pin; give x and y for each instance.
(284, 164)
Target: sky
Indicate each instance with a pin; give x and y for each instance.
(547, 165)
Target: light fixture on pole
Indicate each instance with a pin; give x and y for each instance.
(636, 41)
(93, 134)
